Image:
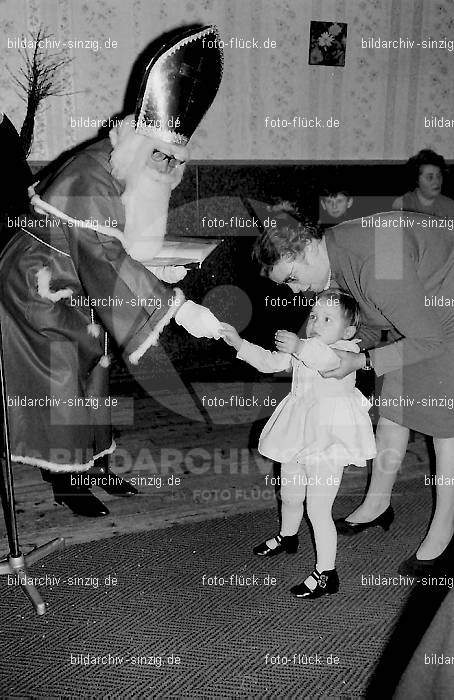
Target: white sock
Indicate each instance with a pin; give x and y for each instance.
(311, 583)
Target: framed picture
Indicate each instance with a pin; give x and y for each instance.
(327, 44)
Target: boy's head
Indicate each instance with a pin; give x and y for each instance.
(335, 201)
(334, 316)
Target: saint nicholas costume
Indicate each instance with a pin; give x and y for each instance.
(67, 281)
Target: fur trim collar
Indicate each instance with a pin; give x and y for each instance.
(55, 467)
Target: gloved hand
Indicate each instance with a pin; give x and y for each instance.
(168, 273)
(198, 321)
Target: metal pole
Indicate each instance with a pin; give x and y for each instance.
(7, 490)
(16, 563)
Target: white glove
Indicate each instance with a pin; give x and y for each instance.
(168, 273)
(198, 321)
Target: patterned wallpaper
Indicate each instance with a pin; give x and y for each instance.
(380, 98)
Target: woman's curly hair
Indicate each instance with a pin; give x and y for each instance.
(288, 239)
(424, 157)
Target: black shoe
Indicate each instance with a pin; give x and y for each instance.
(327, 583)
(76, 497)
(113, 484)
(344, 527)
(284, 544)
(443, 564)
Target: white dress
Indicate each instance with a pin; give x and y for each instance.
(322, 421)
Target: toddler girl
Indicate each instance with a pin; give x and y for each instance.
(320, 427)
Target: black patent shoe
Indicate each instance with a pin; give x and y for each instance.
(327, 583)
(77, 498)
(113, 484)
(344, 527)
(418, 568)
(284, 544)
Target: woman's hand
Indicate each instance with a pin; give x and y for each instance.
(287, 342)
(350, 362)
(230, 335)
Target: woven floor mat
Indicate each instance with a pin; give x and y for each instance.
(142, 615)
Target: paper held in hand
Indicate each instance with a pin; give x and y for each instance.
(183, 251)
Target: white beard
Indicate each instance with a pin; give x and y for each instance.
(147, 191)
(146, 207)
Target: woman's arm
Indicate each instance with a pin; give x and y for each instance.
(390, 282)
(396, 291)
(370, 337)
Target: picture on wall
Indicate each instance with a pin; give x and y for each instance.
(327, 44)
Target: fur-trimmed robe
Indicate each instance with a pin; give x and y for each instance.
(53, 351)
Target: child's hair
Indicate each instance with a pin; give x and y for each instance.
(347, 303)
(333, 189)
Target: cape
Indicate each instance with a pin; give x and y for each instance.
(61, 286)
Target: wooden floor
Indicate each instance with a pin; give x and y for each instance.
(219, 473)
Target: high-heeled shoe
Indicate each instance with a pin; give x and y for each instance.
(288, 544)
(327, 583)
(344, 527)
(423, 567)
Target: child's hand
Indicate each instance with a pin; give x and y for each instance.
(230, 335)
(287, 342)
